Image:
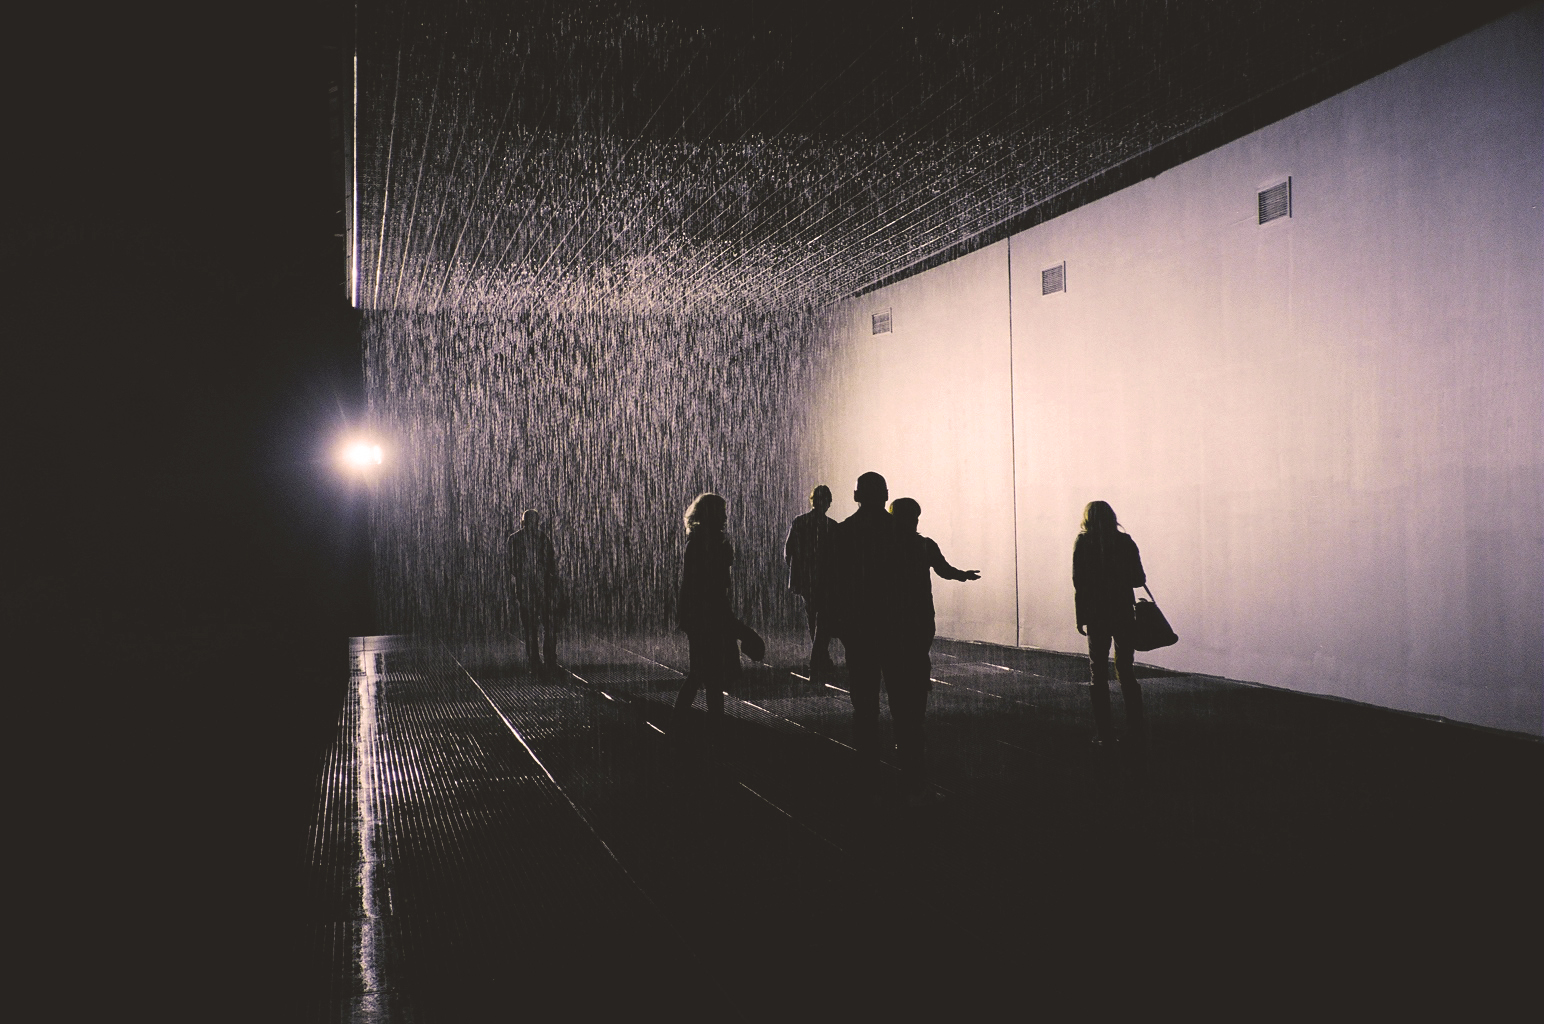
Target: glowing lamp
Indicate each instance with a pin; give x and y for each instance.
(362, 455)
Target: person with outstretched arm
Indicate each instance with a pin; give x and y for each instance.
(913, 630)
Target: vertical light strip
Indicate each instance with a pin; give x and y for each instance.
(391, 149)
(365, 789)
(1013, 448)
(353, 220)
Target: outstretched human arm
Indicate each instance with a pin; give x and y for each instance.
(941, 566)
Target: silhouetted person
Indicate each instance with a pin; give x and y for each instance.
(703, 611)
(1106, 566)
(807, 545)
(865, 567)
(912, 630)
(537, 590)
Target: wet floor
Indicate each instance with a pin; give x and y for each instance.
(490, 845)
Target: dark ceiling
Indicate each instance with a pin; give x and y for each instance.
(666, 154)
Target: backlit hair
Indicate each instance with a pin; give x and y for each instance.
(1099, 519)
(707, 509)
(1099, 522)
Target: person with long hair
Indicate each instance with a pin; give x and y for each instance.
(1106, 568)
(703, 611)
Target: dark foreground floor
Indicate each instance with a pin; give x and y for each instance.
(489, 846)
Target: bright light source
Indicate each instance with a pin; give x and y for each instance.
(362, 455)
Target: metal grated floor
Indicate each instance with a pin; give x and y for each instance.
(489, 846)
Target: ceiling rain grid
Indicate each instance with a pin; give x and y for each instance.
(635, 153)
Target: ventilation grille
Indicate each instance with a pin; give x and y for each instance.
(882, 322)
(1053, 279)
(1276, 202)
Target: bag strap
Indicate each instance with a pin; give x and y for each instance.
(1150, 596)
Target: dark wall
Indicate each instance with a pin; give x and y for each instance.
(185, 567)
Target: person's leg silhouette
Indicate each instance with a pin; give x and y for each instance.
(864, 672)
(1135, 735)
(531, 626)
(550, 641)
(1099, 676)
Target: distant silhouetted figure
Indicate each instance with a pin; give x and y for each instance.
(865, 568)
(537, 590)
(807, 546)
(703, 611)
(1106, 567)
(913, 628)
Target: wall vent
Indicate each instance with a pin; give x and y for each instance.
(1276, 202)
(882, 322)
(1053, 279)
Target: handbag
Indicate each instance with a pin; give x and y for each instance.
(1151, 629)
(751, 643)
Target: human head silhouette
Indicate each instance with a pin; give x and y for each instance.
(709, 510)
(529, 520)
(820, 498)
(906, 512)
(871, 490)
(1099, 519)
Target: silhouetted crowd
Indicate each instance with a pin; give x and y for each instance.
(866, 581)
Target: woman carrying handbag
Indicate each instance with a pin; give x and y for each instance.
(704, 613)
(1106, 567)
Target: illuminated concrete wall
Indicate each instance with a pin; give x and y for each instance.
(1325, 432)
(928, 406)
